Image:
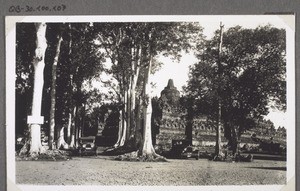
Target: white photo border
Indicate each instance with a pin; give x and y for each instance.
(10, 26)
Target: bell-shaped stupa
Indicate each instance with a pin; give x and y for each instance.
(170, 93)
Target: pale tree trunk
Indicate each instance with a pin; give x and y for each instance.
(39, 64)
(135, 75)
(53, 95)
(120, 129)
(124, 123)
(138, 129)
(69, 128)
(138, 105)
(80, 127)
(218, 129)
(71, 82)
(218, 133)
(128, 113)
(131, 93)
(61, 143)
(79, 132)
(123, 115)
(128, 116)
(147, 149)
(77, 114)
(72, 143)
(76, 130)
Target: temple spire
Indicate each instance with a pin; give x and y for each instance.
(170, 92)
(170, 84)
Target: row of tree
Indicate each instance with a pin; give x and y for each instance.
(49, 48)
(75, 54)
(250, 68)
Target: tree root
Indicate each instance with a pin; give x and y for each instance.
(219, 157)
(47, 155)
(134, 157)
(128, 147)
(232, 158)
(25, 149)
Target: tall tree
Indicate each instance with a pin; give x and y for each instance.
(122, 44)
(130, 47)
(53, 94)
(169, 39)
(252, 77)
(35, 120)
(81, 63)
(218, 129)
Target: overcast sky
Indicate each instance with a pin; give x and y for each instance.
(178, 71)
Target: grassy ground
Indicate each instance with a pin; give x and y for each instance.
(103, 170)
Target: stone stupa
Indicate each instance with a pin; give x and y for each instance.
(170, 93)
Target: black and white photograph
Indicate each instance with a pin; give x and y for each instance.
(115, 102)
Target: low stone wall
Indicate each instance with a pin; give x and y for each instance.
(165, 137)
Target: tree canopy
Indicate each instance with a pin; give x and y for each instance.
(252, 73)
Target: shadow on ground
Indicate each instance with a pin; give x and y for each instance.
(270, 168)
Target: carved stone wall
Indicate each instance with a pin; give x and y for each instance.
(173, 124)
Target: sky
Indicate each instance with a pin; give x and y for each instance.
(178, 71)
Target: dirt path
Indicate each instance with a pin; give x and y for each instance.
(104, 171)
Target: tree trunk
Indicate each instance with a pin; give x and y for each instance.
(128, 116)
(77, 128)
(138, 130)
(190, 121)
(70, 101)
(235, 140)
(53, 95)
(120, 129)
(218, 133)
(73, 130)
(39, 64)
(77, 114)
(136, 71)
(124, 123)
(81, 134)
(69, 128)
(61, 143)
(218, 128)
(132, 113)
(147, 149)
(128, 112)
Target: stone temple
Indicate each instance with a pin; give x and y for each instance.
(174, 124)
(170, 124)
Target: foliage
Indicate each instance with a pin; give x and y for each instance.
(252, 71)
(25, 47)
(79, 61)
(128, 47)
